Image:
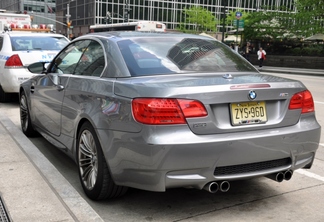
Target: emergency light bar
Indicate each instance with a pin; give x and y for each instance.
(33, 28)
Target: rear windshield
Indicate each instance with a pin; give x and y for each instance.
(21, 43)
(147, 56)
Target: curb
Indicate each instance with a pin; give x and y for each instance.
(79, 209)
(297, 71)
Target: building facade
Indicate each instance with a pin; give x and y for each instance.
(41, 11)
(11, 5)
(83, 13)
(80, 14)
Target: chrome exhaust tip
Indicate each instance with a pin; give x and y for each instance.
(225, 186)
(211, 187)
(288, 174)
(279, 177)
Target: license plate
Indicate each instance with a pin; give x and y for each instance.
(248, 113)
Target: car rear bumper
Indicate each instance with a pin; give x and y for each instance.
(157, 159)
(11, 79)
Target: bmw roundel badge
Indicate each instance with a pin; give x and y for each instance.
(252, 95)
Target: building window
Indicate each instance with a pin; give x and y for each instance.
(34, 8)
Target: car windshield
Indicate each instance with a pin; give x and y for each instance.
(149, 56)
(21, 43)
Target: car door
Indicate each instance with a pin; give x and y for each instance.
(84, 89)
(50, 89)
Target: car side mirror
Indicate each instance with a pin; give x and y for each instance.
(38, 67)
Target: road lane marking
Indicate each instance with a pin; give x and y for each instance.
(319, 102)
(310, 174)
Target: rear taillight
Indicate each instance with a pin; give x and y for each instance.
(302, 100)
(13, 61)
(166, 111)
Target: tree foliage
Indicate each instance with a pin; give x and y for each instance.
(266, 24)
(309, 17)
(201, 18)
(275, 24)
(283, 23)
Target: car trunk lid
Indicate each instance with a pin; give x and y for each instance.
(234, 102)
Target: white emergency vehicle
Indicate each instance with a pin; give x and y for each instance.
(140, 26)
(14, 20)
(21, 46)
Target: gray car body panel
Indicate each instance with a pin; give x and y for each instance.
(155, 157)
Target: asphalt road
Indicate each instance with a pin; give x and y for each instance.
(299, 199)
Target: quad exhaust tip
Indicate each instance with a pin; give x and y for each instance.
(280, 176)
(213, 187)
(224, 186)
(288, 175)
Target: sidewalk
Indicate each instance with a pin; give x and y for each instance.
(31, 188)
(317, 72)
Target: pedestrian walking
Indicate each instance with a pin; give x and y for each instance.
(261, 57)
(246, 51)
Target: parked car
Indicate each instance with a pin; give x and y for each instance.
(18, 49)
(142, 110)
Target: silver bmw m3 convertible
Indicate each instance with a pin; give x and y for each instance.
(156, 111)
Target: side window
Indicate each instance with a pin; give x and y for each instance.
(114, 62)
(67, 61)
(92, 62)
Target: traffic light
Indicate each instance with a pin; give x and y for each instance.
(68, 24)
(126, 17)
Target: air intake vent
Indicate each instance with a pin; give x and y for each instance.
(252, 167)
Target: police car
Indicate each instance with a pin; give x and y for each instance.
(18, 49)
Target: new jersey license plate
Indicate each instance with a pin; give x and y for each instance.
(248, 113)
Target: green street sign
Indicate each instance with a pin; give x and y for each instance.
(239, 23)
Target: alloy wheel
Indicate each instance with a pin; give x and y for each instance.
(24, 117)
(88, 159)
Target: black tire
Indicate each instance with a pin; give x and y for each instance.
(93, 170)
(3, 96)
(25, 122)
